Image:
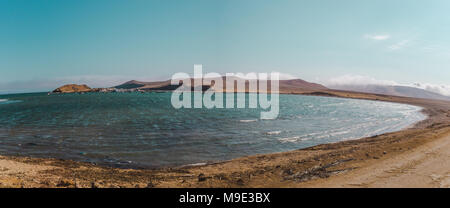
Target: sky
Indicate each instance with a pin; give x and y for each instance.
(46, 43)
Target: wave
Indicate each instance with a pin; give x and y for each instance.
(7, 101)
(293, 139)
(273, 132)
(289, 139)
(195, 164)
(248, 121)
(339, 133)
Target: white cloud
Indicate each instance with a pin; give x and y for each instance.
(400, 45)
(285, 76)
(440, 89)
(357, 80)
(377, 37)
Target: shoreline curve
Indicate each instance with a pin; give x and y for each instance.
(297, 168)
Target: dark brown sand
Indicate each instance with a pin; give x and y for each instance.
(414, 157)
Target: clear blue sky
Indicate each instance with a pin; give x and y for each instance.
(44, 41)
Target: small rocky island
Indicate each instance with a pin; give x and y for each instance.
(72, 88)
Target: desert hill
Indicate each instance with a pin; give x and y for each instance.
(294, 85)
(402, 91)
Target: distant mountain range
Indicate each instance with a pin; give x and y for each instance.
(395, 90)
(285, 86)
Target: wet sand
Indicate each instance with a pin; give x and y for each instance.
(414, 157)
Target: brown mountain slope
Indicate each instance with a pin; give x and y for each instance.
(299, 85)
(403, 91)
(133, 84)
(294, 85)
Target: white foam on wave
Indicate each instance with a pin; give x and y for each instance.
(248, 121)
(194, 165)
(293, 139)
(197, 164)
(273, 132)
(7, 101)
(339, 133)
(289, 139)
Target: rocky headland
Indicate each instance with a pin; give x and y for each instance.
(72, 88)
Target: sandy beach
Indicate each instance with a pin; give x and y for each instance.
(414, 157)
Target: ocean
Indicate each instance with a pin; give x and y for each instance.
(143, 130)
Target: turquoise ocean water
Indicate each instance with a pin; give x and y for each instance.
(143, 130)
